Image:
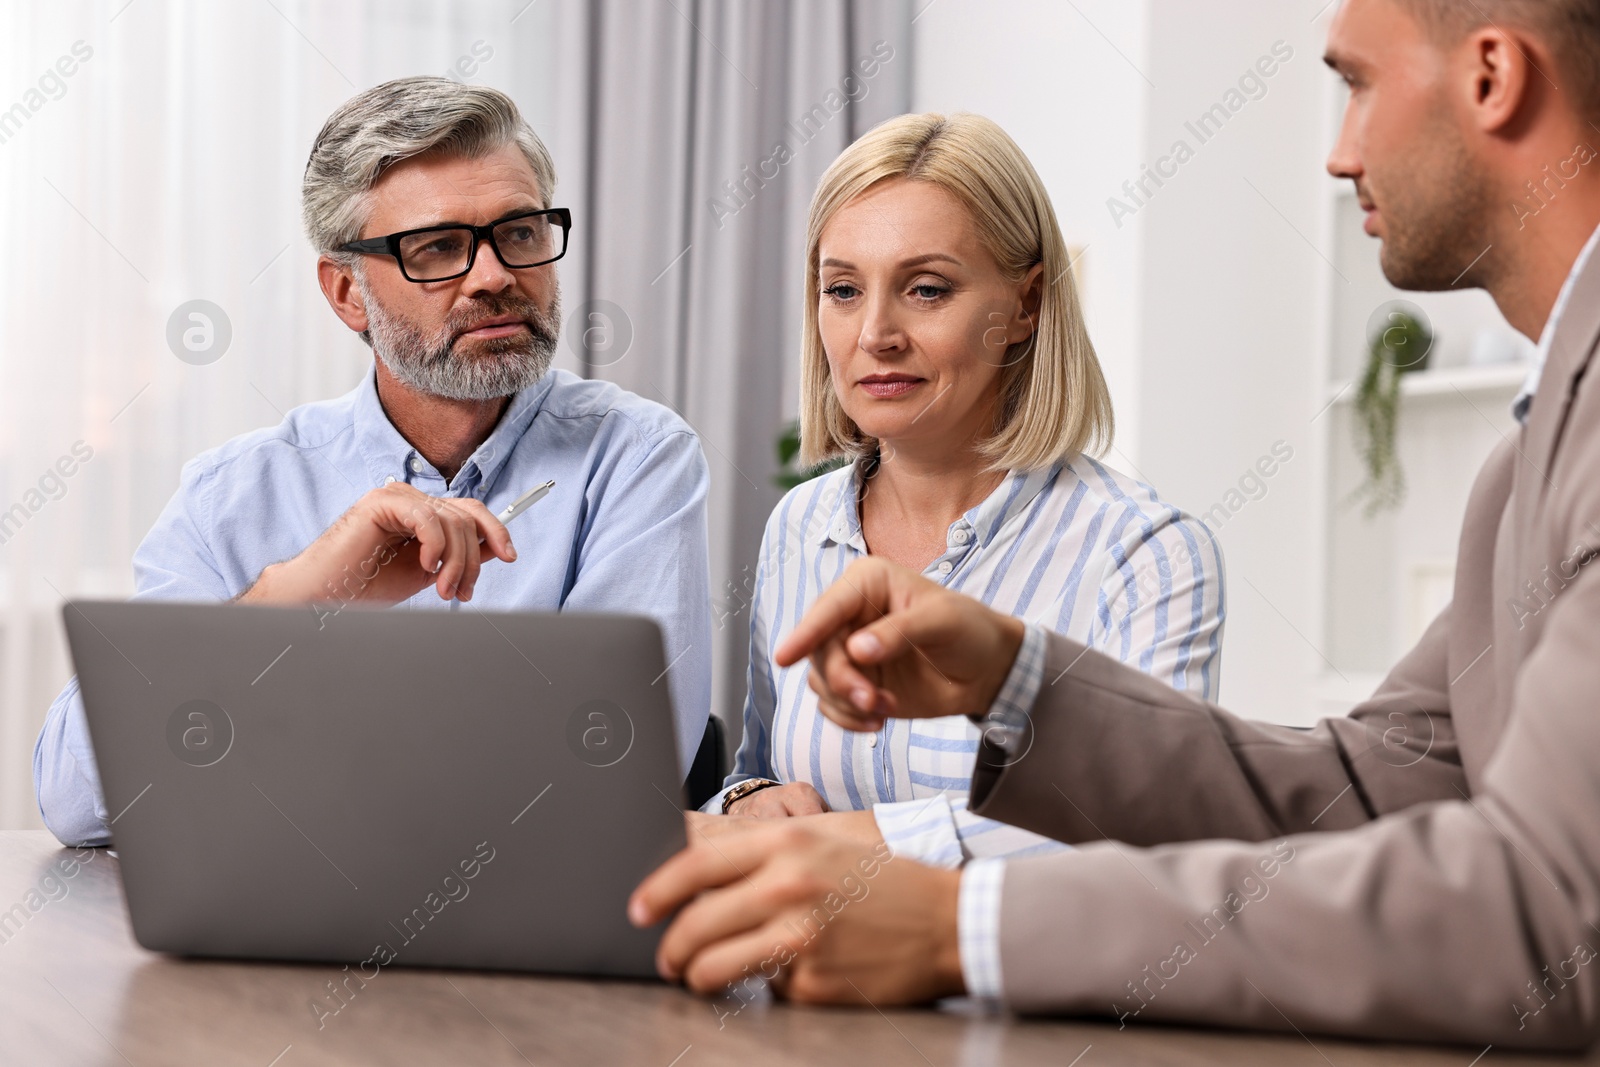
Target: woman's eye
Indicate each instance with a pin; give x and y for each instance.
(929, 291)
(841, 291)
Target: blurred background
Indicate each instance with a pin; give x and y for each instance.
(151, 154)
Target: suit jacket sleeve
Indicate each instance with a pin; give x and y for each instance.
(1116, 754)
(1469, 918)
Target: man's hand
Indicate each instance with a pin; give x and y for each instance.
(885, 642)
(779, 801)
(825, 920)
(395, 542)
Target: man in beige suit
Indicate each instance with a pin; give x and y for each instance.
(1427, 867)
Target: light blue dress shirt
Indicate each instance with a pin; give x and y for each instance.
(1076, 547)
(624, 530)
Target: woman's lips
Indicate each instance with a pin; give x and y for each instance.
(886, 388)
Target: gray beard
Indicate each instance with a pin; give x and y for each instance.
(492, 368)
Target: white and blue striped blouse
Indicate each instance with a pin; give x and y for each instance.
(1077, 548)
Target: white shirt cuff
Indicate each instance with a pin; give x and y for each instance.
(923, 830)
(1009, 719)
(978, 927)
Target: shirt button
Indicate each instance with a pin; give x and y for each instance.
(960, 537)
(416, 464)
(390, 480)
(872, 740)
(946, 567)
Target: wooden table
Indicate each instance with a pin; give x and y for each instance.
(76, 989)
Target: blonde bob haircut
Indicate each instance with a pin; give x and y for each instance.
(1053, 398)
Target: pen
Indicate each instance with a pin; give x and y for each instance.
(526, 501)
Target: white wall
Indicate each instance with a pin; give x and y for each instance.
(1230, 327)
(1203, 302)
(1065, 87)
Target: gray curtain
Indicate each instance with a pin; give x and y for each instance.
(706, 126)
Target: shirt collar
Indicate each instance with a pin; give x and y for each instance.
(1541, 354)
(388, 454)
(843, 525)
(1009, 499)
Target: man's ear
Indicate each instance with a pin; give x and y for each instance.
(338, 283)
(1504, 72)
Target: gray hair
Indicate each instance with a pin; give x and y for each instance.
(395, 121)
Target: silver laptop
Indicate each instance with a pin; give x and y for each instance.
(457, 789)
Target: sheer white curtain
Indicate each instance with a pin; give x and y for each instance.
(165, 167)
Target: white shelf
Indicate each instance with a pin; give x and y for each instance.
(1447, 381)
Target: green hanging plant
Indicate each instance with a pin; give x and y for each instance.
(1398, 348)
(790, 474)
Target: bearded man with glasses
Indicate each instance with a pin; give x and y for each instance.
(428, 202)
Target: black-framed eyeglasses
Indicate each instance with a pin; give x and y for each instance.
(439, 253)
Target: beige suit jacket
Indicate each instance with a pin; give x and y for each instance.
(1426, 868)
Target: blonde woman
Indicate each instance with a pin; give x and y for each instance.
(945, 354)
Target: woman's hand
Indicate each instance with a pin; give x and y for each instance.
(704, 825)
(780, 802)
(856, 827)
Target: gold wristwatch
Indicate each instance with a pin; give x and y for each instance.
(744, 789)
